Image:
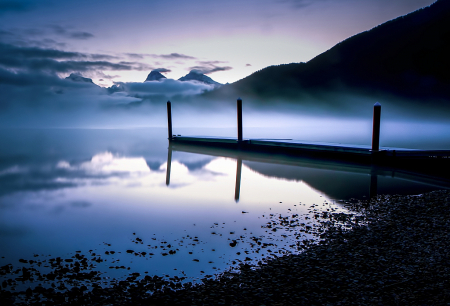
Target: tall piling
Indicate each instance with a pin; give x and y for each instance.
(376, 127)
(169, 120)
(239, 118)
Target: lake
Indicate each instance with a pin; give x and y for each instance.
(129, 203)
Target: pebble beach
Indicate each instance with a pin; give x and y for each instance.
(390, 250)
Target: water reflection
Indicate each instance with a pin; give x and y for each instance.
(100, 190)
(169, 165)
(336, 179)
(237, 188)
(373, 185)
(101, 196)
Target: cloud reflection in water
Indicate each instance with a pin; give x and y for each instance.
(109, 197)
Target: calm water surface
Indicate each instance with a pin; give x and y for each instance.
(97, 191)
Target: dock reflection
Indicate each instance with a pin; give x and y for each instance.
(338, 180)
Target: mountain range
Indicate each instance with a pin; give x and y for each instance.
(404, 61)
(193, 75)
(408, 58)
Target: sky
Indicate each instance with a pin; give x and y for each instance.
(118, 43)
(122, 41)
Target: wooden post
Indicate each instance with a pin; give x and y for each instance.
(169, 119)
(376, 127)
(239, 118)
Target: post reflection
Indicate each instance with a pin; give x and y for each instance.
(237, 188)
(169, 164)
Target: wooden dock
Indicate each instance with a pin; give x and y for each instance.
(428, 162)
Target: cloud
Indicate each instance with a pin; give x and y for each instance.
(135, 55)
(102, 56)
(35, 93)
(162, 70)
(299, 4)
(8, 51)
(53, 66)
(25, 52)
(175, 56)
(37, 175)
(136, 66)
(207, 67)
(47, 101)
(81, 35)
(165, 87)
(41, 37)
(106, 76)
(81, 204)
(66, 32)
(15, 6)
(171, 56)
(46, 60)
(28, 78)
(4, 33)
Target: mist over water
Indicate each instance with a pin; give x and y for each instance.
(330, 118)
(396, 134)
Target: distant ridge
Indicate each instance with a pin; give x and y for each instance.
(408, 57)
(155, 75)
(195, 75)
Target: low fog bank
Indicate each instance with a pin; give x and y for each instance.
(46, 100)
(344, 118)
(337, 101)
(52, 102)
(401, 134)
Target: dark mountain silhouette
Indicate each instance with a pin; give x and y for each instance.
(407, 57)
(154, 75)
(195, 75)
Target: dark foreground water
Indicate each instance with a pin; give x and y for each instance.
(108, 194)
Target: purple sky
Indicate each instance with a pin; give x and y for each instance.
(124, 40)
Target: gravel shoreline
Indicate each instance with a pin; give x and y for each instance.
(395, 251)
